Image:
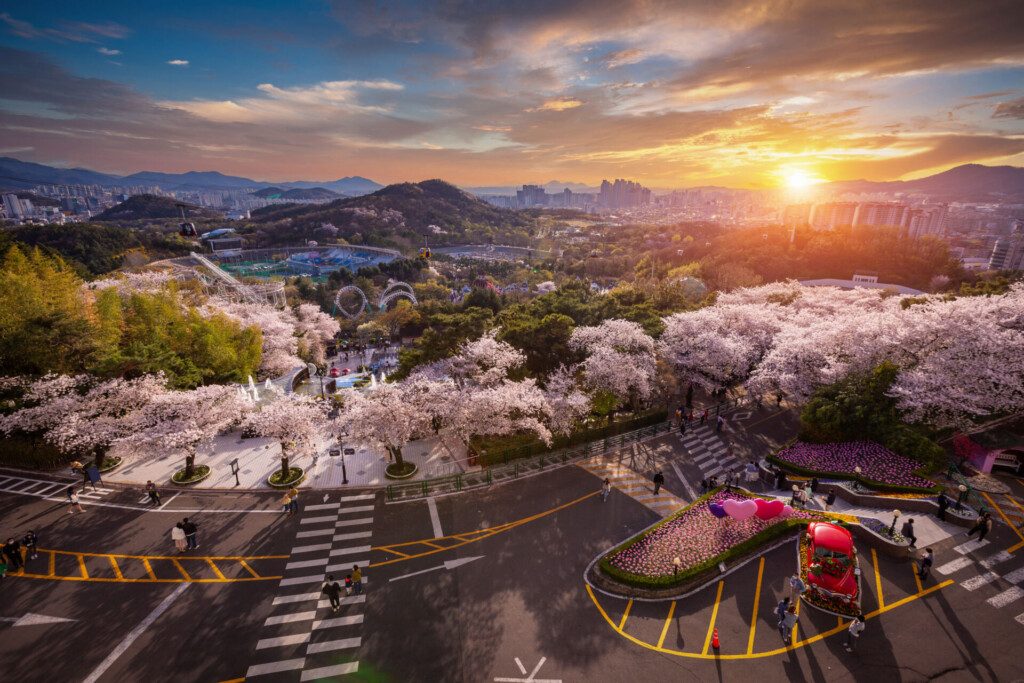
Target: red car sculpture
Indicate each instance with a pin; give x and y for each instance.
(832, 563)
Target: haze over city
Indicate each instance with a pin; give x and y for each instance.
(672, 94)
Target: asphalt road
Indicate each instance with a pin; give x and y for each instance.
(516, 609)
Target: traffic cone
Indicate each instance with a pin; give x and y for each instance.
(714, 640)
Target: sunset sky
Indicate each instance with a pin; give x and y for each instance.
(727, 92)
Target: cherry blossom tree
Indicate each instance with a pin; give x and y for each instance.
(188, 420)
(392, 415)
(315, 328)
(505, 408)
(620, 359)
(298, 423)
(482, 362)
(280, 346)
(568, 404)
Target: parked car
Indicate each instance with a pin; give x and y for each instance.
(335, 372)
(832, 562)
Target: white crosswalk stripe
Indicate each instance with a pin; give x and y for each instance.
(971, 546)
(1011, 594)
(1016, 576)
(955, 565)
(1001, 556)
(302, 621)
(979, 581)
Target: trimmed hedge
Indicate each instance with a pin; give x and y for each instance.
(32, 453)
(669, 580)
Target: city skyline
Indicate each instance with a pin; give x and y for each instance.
(740, 94)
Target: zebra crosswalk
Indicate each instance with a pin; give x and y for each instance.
(49, 489)
(709, 452)
(633, 485)
(304, 639)
(986, 574)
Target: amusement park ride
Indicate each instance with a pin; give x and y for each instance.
(394, 290)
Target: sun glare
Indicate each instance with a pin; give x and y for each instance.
(798, 179)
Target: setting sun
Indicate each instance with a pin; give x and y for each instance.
(799, 179)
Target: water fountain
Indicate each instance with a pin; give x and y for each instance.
(252, 384)
(373, 381)
(268, 385)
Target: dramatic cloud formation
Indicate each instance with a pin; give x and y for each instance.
(665, 91)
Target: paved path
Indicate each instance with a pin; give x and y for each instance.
(303, 639)
(709, 452)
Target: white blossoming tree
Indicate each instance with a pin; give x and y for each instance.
(620, 359)
(297, 423)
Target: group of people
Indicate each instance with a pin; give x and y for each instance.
(788, 618)
(353, 584)
(184, 535)
(290, 502)
(11, 554)
(685, 416)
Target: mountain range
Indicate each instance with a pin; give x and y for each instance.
(23, 175)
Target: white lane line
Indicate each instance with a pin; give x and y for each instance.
(323, 506)
(134, 634)
(970, 546)
(357, 508)
(1001, 556)
(347, 565)
(169, 500)
(354, 522)
(1011, 594)
(290, 618)
(955, 565)
(1020, 619)
(979, 581)
(310, 548)
(352, 536)
(350, 600)
(338, 621)
(350, 551)
(364, 496)
(276, 667)
(713, 472)
(299, 580)
(281, 641)
(307, 563)
(1016, 576)
(686, 485)
(311, 534)
(435, 520)
(333, 645)
(329, 671)
(315, 520)
(298, 597)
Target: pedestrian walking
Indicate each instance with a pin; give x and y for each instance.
(983, 526)
(12, 551)
(908, 532)
(943, 506)
(154, 495)
(286, 503)
(796, 588)
(719, 423)
(658, 479)
(814, 484)
(682, 428)
(190, 533)
(178, 536)
(679, 415)
(780, 480)
(357, 579)
(348, 584)
(30, 541)
(92, 476)
(786, 624)
(830, 499)
(751, 472)
(925, 562)
(704, 417)
(333, 590)
(73, 502)
(781, 609)
(703, 486)
(606, 488)
(853, 632)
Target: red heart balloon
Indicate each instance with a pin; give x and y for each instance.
(766, 509)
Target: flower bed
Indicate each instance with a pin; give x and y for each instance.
(198, 474)
(880, 528)
(819, 600)
(880, 468)
(295, 475)
(698, 538)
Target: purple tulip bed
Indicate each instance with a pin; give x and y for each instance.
(880, 468)
(698, 538)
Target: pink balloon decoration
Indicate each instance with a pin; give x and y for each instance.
(740, 509)
(767, 509)
(787, 511)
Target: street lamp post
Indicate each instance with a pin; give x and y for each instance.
(892, 529)
(856, 482)
(960, 498)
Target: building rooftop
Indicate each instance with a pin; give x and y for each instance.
(852, 284)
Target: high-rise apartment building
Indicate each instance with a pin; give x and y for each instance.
(623, 194)
(832, 215)
(12, 207)
(1008, 252)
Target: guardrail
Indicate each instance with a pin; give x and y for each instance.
(519, 468)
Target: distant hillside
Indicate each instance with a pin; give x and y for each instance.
(970, 182)
(19, 175)
(296, 194)
(351, 186)
(193, 180)
(148, 206)
(398, 215)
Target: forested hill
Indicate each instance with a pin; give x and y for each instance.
(148, 206)
(401, 215)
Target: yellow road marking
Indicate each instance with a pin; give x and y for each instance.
(878, 578)
(216, 569)
(396, 552)
(234, 680)
(181, 569)
(1015, 548)
(629, 606)
(246, 567)
(839, 621)
(757, 601)
(103, 579)
(796, 611)
(767, 653)
(117, 570)
(480, 534)
(917, 579)
(53, 563)
(1013, 501)
(668, 622)
(122, 556)
(1003, 515)
(149, 569)
(81, 566)
(714, 615)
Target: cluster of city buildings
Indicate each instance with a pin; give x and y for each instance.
(916, 221)
(611, 196)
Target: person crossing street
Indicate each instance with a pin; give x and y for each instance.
(659, 480)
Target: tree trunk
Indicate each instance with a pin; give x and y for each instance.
(98, 455)
(284, 463)
(190, 465)
(396, 453)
